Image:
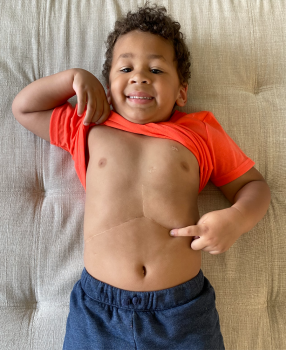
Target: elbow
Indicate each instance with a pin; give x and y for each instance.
(259, 190)
(265, 198)
(267, 193)
(18, 109)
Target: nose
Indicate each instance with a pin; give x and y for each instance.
(139, 78)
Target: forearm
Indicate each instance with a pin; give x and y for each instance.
(252, 202)
(34, 105)
(217, 231)
(46, 93)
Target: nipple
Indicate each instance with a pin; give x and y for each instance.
(185, 166)
(102, 162)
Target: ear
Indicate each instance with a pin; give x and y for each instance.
(182, 95)
(108, 95)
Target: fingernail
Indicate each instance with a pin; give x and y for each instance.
(172, 233)
(86, 124)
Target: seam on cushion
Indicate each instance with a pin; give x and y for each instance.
(269, 249)
(39, 202)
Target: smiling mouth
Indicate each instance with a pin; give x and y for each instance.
(135, 100)
(140, 98)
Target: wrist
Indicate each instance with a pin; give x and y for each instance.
(238, 219)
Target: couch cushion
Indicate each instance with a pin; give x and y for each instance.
(238, 73)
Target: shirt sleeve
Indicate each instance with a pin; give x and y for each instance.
(229, 161)
(64, 126)
(68, 132)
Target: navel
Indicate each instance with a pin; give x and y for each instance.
(144, 271)
(102, 162)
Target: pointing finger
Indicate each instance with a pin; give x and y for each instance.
(193, 231)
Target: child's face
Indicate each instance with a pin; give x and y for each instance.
(143, 66)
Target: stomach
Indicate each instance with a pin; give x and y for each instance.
(140, 255)
(138, 188)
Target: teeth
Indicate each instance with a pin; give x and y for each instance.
(141, 98)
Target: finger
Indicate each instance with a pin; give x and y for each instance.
(98, 112)
(100, 99)
(214, 252)
(105, 114)
(193, 230)
(90, 111)
(81, 103)
(199, 244)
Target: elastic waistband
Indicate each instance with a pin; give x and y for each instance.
(153, 300)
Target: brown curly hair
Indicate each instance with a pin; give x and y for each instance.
(153, 20)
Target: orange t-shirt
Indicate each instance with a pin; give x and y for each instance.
(219, 157)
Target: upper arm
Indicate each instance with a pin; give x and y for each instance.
(231, 189)
(37, 122)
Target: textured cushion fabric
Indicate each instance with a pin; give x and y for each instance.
(238, 73)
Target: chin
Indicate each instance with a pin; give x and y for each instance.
(138, 120)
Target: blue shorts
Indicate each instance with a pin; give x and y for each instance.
(103, 317)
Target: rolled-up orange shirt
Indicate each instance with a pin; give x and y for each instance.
(220, 159)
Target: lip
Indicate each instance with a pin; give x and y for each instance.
(139, 97)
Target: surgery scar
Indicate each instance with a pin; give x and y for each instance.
(136, 218)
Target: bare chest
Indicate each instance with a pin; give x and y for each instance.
(132, 176)
(133, 158)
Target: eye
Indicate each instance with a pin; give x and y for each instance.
(125, 70)
(156, 71)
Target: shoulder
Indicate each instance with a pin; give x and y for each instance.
(199, 116)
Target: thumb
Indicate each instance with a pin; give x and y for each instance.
(189, 231)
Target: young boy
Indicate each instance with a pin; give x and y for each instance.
(143, 167)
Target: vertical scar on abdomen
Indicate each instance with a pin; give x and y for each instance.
(143, 209)
(125, 222)
(143, 201)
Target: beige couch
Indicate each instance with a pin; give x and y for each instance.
(238, 72)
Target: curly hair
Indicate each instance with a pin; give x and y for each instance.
(153, 20)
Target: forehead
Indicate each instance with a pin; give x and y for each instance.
(143, 44)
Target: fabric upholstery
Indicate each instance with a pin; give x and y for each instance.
(238, 73)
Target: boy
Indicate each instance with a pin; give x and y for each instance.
(143, 168)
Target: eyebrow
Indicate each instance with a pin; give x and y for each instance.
(152, 56)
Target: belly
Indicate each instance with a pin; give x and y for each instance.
(139, 188)
(140, 255)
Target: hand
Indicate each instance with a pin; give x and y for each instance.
(215, 232)
(90, 92)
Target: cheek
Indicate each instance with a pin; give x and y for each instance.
(117, 89)
(168, 96)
